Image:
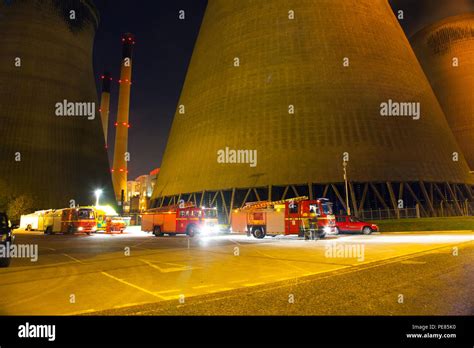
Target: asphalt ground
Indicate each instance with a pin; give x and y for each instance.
(136, 273)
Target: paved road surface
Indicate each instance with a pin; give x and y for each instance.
(137, 273)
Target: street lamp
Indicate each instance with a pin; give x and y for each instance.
(97, 192)
(344, 165)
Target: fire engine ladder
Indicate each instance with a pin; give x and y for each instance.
(264, 204)
(171, 207)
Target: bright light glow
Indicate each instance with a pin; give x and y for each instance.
(80, 228)
(327, 229)
(97, 193)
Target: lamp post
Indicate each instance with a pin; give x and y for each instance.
(344, 165)
(97, 192)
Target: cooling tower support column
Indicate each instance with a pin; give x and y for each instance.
(105, 103)
(121, 157)
(368, 200)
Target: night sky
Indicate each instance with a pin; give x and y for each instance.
(163, 49)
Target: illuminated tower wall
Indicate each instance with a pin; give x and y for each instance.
(446, 52)
(106, 79)
(301, 82)
(45, 59)
(119, 170)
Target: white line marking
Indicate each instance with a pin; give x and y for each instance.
(180, 268)
(132, 285)
(203, 286)
(73, 258)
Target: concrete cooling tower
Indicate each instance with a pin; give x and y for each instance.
(446, 53)
(52, 144)
(279, 93)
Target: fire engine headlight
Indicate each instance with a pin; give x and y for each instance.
(94, 228)
(80, 228)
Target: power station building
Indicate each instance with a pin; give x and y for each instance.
(280, 93)
(446, 52)
(52, 144)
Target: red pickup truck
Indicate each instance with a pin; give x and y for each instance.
(352, 224)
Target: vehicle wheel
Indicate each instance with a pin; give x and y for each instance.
(28, 228)
(172, 234)
(157, 231)
(366, 230)
(70, 230)
(4, 262)
(336, 230)
(258, 233)
(321, 234)
(49, 230)
(191, 231)
(88, 233)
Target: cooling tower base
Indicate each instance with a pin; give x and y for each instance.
(369, 200)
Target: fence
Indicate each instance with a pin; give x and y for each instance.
(442, 210)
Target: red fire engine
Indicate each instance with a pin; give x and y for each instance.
(184, 219)
(70, 221)
(291, 216)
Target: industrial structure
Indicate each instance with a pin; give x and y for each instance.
(281, 96)
(106, 79)
(446, 52)
(121, 157)
(52, 147)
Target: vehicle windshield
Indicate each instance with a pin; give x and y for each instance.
(314, 209)
(210, 213)
(327, 208)
(85, 214)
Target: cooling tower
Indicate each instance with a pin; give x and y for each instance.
(302, 83)
(446, 53)
(52, 145)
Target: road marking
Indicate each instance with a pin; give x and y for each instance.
(233, 241)
(166, 291)
(73, 258)
(180, 268)
(222, 289)
(133, 285)
(203, 286)
(130, 305)
(83, 312)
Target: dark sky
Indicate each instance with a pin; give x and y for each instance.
(162, 53)
(163, 48)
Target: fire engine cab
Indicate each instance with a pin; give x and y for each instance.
(298, 216)
(181, 219)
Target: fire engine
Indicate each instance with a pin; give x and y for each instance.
(68, 220)
(291, 216)
(180, 219)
